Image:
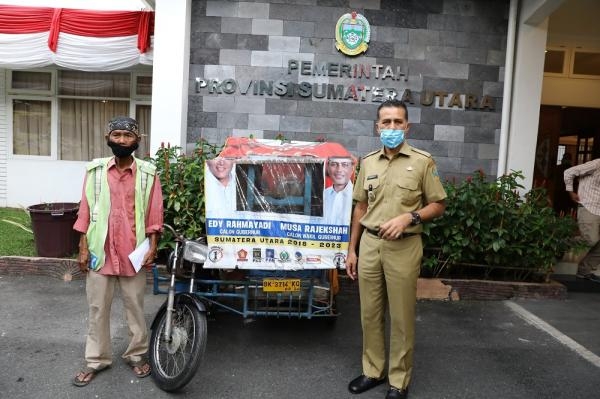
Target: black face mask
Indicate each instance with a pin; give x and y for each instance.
(122, 151)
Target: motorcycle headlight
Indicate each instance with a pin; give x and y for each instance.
(195, 252)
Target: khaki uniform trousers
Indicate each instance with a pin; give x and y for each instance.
(388, 270)
(100, 290)
(589, 226)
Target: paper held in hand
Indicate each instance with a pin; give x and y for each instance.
(137, 256)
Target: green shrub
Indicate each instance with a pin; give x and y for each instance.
(182, 181)
(491, 225)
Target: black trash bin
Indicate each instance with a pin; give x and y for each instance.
(53, 228)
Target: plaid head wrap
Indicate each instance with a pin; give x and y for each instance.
(123, 123)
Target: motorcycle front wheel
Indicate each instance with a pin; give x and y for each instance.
(175, 359)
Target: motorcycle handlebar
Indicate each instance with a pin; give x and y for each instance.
(177, 236)
(173, 231)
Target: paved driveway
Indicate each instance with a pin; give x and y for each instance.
(464, 350)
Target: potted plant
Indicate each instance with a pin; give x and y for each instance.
(569, 263)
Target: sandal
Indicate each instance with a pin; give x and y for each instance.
(141, 368)
(84, 374)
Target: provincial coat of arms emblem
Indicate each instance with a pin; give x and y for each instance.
(352, 33)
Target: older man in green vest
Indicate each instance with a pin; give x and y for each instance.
(121, 210)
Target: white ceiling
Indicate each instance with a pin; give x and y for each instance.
(576, 18)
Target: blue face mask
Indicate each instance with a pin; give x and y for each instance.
(391, 138)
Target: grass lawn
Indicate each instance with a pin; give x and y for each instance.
(14, 239)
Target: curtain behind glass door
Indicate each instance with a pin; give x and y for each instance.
(31, 127)
(142, 115)
(83, 124)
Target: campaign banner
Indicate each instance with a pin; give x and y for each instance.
(278, 206)
(275, 244)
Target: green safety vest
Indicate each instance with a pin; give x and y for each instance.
(97, 194)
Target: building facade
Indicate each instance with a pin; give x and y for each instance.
(471, 72)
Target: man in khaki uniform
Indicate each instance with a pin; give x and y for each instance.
(397, 188)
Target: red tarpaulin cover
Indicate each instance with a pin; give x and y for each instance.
(236, 147)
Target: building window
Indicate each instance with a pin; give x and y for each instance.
(142, 113)
(586, 64)
(88, 100)
(31, 124)
(143, 85)
(555, 60)
(83, 126)
(85, 102)
(561, 151)
(35, 82)
(94, 84)
(585, 146)
(572, 62)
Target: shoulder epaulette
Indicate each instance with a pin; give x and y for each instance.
(371, 153)
(425, 153)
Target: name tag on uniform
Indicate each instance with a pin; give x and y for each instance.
(371, 177)
(409, 168)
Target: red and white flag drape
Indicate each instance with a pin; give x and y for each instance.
(85, 40)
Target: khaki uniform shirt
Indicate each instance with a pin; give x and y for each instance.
(405, 183)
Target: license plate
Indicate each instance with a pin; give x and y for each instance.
(281, 285)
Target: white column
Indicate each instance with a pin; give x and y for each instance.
(526, 95)
(3, 140)
(511, 44)
(170, 73)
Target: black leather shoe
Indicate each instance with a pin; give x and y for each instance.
(395, 393)
(363, 383)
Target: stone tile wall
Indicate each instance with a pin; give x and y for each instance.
(454, 46)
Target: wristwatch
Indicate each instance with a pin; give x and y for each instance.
(416, 219)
